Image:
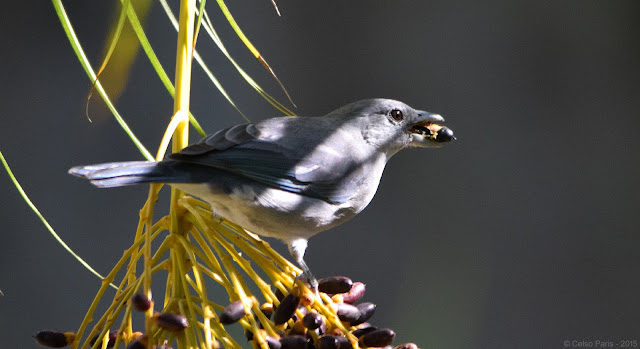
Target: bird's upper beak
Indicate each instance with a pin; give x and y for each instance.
(426, 133)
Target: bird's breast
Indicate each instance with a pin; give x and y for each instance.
(272, 212)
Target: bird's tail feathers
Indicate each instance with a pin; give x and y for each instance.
(118, 174)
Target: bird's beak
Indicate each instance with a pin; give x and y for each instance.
(426, 133)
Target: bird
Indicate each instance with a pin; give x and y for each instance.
(288, 177)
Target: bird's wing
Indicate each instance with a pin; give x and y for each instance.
(317, 170)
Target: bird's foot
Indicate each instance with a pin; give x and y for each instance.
(309, 280)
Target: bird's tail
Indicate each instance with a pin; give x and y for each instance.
(118, 174)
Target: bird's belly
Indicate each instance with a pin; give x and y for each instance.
(272, 212)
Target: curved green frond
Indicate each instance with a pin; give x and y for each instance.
(216, 39)
(250, 46)
(201, 62)
(44, 221)
(155, 62)
(77, 48)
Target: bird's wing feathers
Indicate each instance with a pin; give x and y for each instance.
(244, 150)
(223, 139)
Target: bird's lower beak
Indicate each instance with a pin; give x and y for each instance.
(427, 134)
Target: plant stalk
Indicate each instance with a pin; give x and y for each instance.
(184, 56)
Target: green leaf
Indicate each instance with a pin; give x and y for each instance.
(44, 221)
(77, 48)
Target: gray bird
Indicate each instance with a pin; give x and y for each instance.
(288, 177)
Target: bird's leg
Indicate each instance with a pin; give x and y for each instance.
(297, 248)
(307, 277)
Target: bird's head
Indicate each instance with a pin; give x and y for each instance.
(391, 125)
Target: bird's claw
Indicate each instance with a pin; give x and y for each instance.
(310, 281)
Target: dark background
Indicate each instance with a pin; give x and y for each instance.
(523, 233)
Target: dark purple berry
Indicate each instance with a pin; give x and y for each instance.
(232, 313)
(54, 339)
(312, 321)
(378, 338)
(334, 284)
(355, 293)
(347, 312)
(362, 331)
(171, 322)
(366, 312)
(140, 302)
(273, 343)
(294, 342)
(140, 343)
(286, 309)
(334, 342)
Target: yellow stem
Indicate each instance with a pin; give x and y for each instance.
(105, 284)
(146, 219)
(184, 55)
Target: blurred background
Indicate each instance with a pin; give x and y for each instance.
(523, 233)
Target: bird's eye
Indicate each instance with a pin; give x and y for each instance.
(397, 115)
